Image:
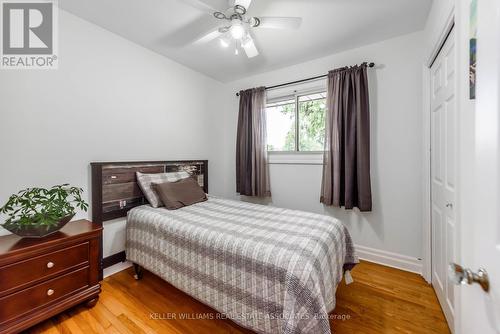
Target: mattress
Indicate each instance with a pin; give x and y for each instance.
(269, 269)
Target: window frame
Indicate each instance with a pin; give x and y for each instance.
(296, 96)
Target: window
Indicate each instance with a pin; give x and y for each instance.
(296, 123)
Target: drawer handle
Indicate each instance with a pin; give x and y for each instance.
(50, 292)
(50, 264)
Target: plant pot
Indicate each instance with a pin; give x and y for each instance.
(31, 231)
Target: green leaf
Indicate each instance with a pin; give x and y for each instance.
(42, 207)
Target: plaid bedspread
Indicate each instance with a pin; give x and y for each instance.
(269, 269)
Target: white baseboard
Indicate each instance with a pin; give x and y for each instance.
(394, 260)
(116, 268)
(403, 262)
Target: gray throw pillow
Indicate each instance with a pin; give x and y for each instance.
(145, 181)
(175, 195)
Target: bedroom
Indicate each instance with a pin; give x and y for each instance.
(151, 87)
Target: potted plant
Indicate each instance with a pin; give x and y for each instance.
(37, 212)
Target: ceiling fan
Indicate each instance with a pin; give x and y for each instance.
(236, 26)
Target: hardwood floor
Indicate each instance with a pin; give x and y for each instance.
(381, 300)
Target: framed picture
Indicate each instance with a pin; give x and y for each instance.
(472, 49)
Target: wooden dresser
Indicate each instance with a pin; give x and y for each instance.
(42, 277)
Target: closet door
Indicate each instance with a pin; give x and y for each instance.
(443, 174)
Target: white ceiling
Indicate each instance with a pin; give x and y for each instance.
(328, 26)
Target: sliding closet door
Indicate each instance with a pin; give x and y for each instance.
(443, 175)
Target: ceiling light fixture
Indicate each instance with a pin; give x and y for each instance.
(220, 16)
(235, 25)
(238, 9)
(237, 30)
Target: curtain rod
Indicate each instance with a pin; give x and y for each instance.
(303, 80)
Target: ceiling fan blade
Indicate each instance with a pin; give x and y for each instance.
(201, 5)
(209, 36)
(192, 32)
(243, 3)
(280, 22)
(250, 49)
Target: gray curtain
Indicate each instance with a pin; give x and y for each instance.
(346, 166)
(252, 176)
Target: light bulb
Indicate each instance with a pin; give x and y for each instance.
(237, 30)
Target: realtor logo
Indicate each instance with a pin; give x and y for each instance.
(28, 34)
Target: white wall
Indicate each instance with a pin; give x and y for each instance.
(395, 225)
(109, 100)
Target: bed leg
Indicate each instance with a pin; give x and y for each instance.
(138, 271)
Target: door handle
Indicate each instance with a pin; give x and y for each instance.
(459, 275)
(449, 205)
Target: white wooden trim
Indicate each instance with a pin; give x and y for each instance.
(426, 187)
(116, 268)
(394, 260)
(295, 158)
(442, 37)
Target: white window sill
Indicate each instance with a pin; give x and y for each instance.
(295, 158)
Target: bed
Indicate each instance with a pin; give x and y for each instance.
(269, 269)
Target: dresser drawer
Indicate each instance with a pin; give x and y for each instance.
(21, 274)
(16, 304)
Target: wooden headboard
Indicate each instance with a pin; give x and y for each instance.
(114, 185)
(115, 190)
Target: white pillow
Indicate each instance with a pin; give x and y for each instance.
(145, 181)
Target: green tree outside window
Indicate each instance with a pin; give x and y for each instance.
(311, 124)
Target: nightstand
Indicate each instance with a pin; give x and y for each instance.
(42, 277)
